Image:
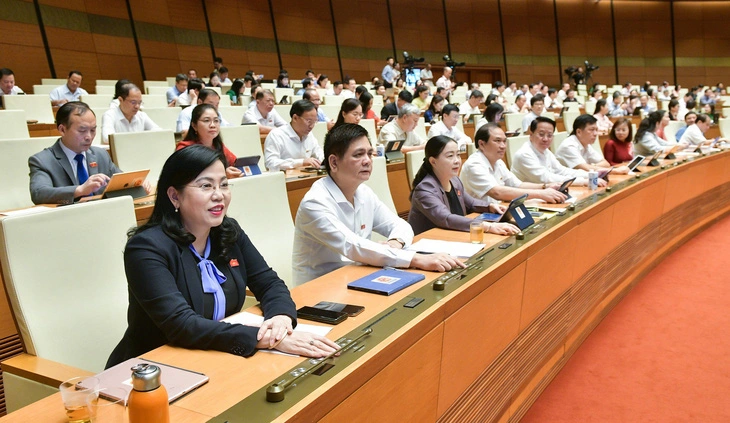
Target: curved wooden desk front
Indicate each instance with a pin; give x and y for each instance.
(488, 348)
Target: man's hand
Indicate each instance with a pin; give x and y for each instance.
(311, 162)
(93, 184)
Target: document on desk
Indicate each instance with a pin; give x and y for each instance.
(456, 249)
(23, 212)
(549, 207)
(250, 319)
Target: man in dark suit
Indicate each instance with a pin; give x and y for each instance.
(71, 168)
(391, 109)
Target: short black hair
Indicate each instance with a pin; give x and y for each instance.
(78, 108)
(338, 140)
(262, 93)
(218, 59)
(476, 94)
(181, 77)
(205, 93)
(75, 72)
(307, 94)
(5, 72)
(336, 83)
(126, 89)
(537, 97)
(498, 84)
(222, 69)
(541, 119)
(195, 84)
(485, 133)
(447, 109)
(300, 107)
(406, 96)
(582, 121)
(306, 82)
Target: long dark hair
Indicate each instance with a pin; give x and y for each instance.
(192, 134)
(347, 106)
(181, 168)
(619, 122)
(434, 101)
(433, 148)
(649, 124)
(493, 111)
(365, 99)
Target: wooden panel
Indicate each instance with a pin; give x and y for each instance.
(625, 219)
(406, 384)
(469, 21)
(482, 329)
(594, 237)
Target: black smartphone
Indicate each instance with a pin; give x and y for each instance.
(351, 309)
(319, 315)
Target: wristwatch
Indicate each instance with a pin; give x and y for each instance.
(402, 243)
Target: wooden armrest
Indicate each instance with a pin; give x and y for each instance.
(41, 370)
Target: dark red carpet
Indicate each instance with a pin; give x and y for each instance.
(663, 354)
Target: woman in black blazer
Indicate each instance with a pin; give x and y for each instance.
(189, 267)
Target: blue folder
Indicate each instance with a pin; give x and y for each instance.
(386, 281)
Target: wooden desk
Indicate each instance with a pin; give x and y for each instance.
(484, 348)
(43, 130)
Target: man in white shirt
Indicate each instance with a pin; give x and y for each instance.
(293, 144)
(486, 176)
(403, 129)
(519, 106)
(427, 75)
(563, 91)
(447, 126)
(534, 162)
(70, 91)
(190, 95)
(695, 133)
(207, 96)
(471, 106)
(445, 81)
(181, 86)
(264, 114)
(338, 215)
(7, 83)
(537, 103)
(577, 152)
(127, 117)
(335, 88)
(312, 95)
(349, 88)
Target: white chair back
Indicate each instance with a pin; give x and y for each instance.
(724, 127)
(106, 82)
(243, 141)
(157, 100)
(320, 131)
(670, 131)
(97, 102)
(333, 100)
(225, 101)
(263, 198)
(65, 312)
(105, 90)
(142, 150)
(283, 111)
(43, 89)
(13, 125)
(369, 125)
(164, 117)
(157, 90)
(148, 84)
(514, 144)
(36, 107)
(279, 93)
(513, 121)
(421, 129)
(558, 138)
(597, 146)
(568, 119)
(330, 111)
(414, 159)
(14, 154)
(53, 81)
(379, 182)
(590, 107)
(233, 114)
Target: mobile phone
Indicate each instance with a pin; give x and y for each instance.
(319, 315)
(351, 309)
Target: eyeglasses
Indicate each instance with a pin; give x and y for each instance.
(309, 122)
(136, 103)
(208, 188)
(545, 135)
(215, 122)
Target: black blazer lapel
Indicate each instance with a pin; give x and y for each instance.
(193, 282)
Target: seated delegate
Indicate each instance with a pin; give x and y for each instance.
(204, 129)
(127, 117)
(338, 215)
(438, 198)
(190, 265)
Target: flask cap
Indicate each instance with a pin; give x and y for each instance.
(145, 377)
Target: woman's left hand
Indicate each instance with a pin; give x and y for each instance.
(233, 172)
(497, 208)
(279, 326)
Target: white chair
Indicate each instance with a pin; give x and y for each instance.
(334, 100)
(154, 90)
(106, 82)
(225, 101)
(279, 93)
(97, 102)
(513, 121)
(320, 131)
(14, 154)
(53, 81)
(597, 147)
(558, 138)
(36, 107)
(379, 182)
(263, 198)
(414, 159)
(421, 129)
(164, 117)
(244, 141)
(43, 89)
(154, 100)
(724, 124)
(283, 110)
(670, 131)
(105, 90)
(66, 312)
(268, 85)
(148, 84)
(142, 150)
(170, 80)
(13, 125)
(330, 111)
(232, 114)
(369, 124)
(568, 119)
(514, 144)
(590, 107)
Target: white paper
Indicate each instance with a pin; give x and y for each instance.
(22, 212)
(456, 249)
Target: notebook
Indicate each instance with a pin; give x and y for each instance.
(386, 281)
(177, 381)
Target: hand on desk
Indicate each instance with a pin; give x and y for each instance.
(308, 345)
(438, 262)
(501, 228)
(93, 184)
(274, 330)
(497, 208)
(233, 172)
(552, 195)
(311, 162)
